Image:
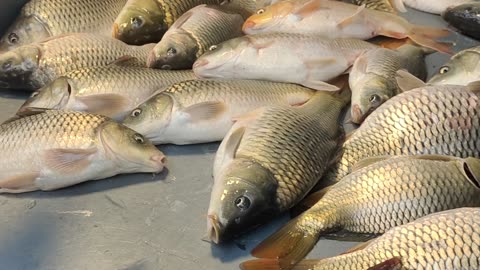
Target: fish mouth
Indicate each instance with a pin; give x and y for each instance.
(357, 116)
(213, 229)
(152, 60)
(159, 160)
(248, 25)
(200, 63)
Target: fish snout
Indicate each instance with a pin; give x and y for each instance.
(213, 228)
(357, 115)
(200, 63)
(248, 25)
(152, 60)
(159, 160)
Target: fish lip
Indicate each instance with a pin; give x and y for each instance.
(248, 25)
(159, 160)
(201, 63)
(213, 229)
(357, 116)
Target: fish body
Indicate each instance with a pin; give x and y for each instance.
(40, 19)
(269, 160)
(112, 91)
(294, 58)
(372, 78)
(382, 5)
(204, 110)
(445, 240)
(146, 21)
(465, 18)
(249, 7)
(462, 69)
(35, 65)
(433, 120)
(384, 193)
(336, 19)
(193, 34)
(434, 6)
(55, 149)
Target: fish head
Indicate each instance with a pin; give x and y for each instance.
(130, 150)
(152, 117)
(368, 94)
(52, 96)
(140, 22)
(220, 58)
(459, 70)
(18, 66)
(268, 17)
(177, 51)
(243, 197)
(25, 30)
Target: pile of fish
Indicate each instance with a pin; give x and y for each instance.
(271, 80)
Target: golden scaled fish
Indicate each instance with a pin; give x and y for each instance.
(336, 19)
(380, 194)
(35, 65)
(438, 120)
(270, 159)
(445, 240)
(193, 34)
(112, 91)
(145, 21)
(204, 110)
(40, 19)
(55, 149)
(391, 6)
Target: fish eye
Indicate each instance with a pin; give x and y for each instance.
(13, 38)
(212, 48)
(139, 138)
(260, 11)
(34, 94)
(136, 112)
(444, 69)
(374, 98)
(136, 22)
(171, 51)
(242, 203)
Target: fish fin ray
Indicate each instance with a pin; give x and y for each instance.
(184, 18)
(30, 111)
(348, 236)
(425, 36)
(308, 8)
(205, 110)
(358, 15)
(394, 263)
(398, 5)
(105, 104)
(19, 183)
(407, 81)
(320, 85)
(67, 161)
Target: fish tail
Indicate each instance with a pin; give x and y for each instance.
(269, 264)
(290, 244)
(426, 36)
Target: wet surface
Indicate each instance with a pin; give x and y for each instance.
(135, 222)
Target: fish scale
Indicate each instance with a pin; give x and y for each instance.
(174, 9)
(446, 240)
(378, 196)
(430, 120)
(382, 5)
(66, 16)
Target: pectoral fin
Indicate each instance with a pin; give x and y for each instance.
(105, 104)
(68, 161)
(205, 111)
(358, 15)
(308, 8)
(406, 81)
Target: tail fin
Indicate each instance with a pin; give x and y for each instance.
(426, 36)
(289, 245)
(264, 264)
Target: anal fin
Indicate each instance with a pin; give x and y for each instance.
(19, 183)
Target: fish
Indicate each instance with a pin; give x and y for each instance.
(433, 120)
(444, 240)
(247, 7)
(35, 65)
(335, 19)
(391, 6)
(41, 19)
(146, 21)
(48, 150)
(372, 78)
(380, 194)
(193, 34)
(281, 57)
(201, 111)
(434, 6)
(465, 18)
(270, 159)
(112, 91)
(461, 69)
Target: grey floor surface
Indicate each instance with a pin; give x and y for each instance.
(134, 222)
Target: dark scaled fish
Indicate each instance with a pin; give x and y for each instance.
(465, 18)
